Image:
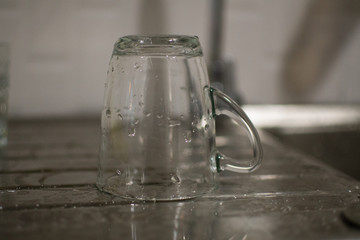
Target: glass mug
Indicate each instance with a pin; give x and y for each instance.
(158, 127)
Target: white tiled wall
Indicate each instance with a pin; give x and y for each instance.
(60, 49)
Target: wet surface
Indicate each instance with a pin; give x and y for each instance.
(47, 191)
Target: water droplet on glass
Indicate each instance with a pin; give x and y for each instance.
(206, 127)
(174, 123)
(136, 65)
(129, 183)
(131, 131)
(187, 51)
(148, 114)
(118, 172)
(136, 122)
(112, 69)
(187, 136)
(159, 115)
(108, 113)
(120, 116)
(195, 122)
(182, 116)
(175, 179)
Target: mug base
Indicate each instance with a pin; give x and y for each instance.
(183, 190)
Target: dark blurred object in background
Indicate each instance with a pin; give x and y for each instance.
(326, 27)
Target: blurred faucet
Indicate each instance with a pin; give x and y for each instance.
(221, 71)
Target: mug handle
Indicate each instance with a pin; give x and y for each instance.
(234, 111)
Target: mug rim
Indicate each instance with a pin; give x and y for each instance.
(158, 45)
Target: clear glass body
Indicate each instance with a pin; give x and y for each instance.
(157, 126)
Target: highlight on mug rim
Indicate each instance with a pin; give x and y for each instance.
(160, 45)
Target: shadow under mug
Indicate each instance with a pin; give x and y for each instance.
(158, 126)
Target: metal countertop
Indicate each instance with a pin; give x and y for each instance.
(47, 191)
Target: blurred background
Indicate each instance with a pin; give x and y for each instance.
(278, 51)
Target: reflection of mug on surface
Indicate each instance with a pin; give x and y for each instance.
(170, 220)
(158, 128)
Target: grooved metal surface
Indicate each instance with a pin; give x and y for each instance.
(47, 191)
